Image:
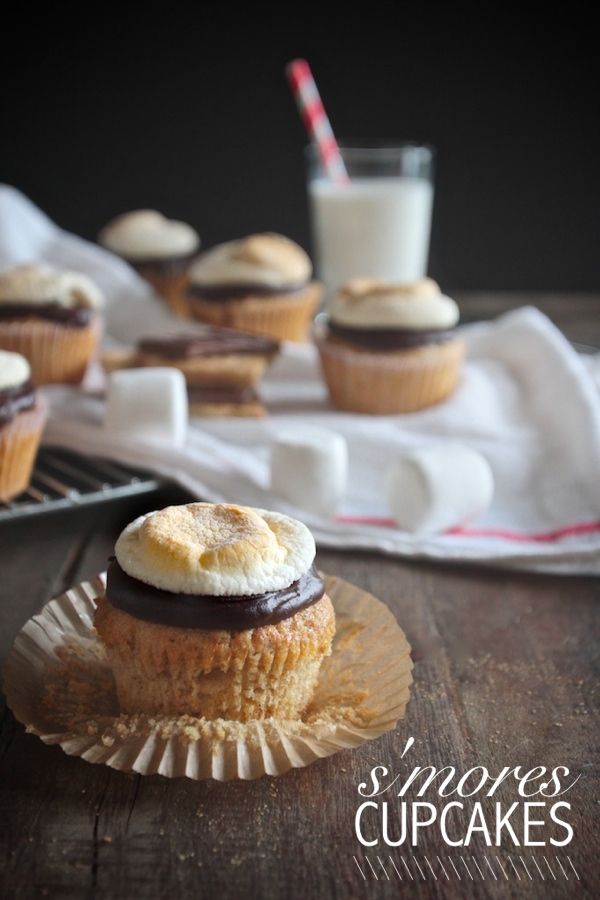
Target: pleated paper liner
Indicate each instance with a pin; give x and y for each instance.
(59, 685)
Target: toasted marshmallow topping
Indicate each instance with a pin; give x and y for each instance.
(14, 370)
(265, 259)
(370, 303)
(39, 283)
(215, 549)
(147, 234)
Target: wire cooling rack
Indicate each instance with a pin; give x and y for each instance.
(62, 479)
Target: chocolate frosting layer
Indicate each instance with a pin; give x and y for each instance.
(239, 291)
(14, 400)
(212, 342)
(232, 613)
(163, 264)
(77, 316)
(389, 338)
(199, 394)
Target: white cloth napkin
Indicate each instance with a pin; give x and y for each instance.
(527, 401)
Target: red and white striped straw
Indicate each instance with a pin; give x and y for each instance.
(315, 118)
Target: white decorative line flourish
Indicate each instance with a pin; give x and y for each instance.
(424, 870)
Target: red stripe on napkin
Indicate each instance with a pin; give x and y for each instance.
(544, 537)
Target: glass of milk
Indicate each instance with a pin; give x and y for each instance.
(378, 223)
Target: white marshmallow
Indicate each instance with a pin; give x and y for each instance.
(14, 370)
(373, 303)
(434, 488)
(309, 468)
(148, 403)
(217, 549)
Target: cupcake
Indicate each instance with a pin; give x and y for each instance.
(215, 611)
(159, 249)
(53, 318)
(22, 417)
(222, 367)
(262, 283)
(390, 348)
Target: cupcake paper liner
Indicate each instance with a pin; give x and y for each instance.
(59, 685)
(170, 282)
(57, 354)
(19, 442)
(388, 383)
(284, 317)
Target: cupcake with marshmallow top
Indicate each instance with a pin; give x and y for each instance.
(53, 317)
(262, 283)
(215, 611)
(23, 414)
(159, 249)
(390, 347)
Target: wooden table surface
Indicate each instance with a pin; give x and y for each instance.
(505, 678)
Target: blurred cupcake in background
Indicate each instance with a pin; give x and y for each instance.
(53, 317)
(23, 414)
(262, 284)
(159, 249)
(390, 348)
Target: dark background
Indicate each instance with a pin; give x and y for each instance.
(188, 111)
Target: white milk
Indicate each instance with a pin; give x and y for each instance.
(372, 227)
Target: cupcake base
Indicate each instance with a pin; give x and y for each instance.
(57, 354)
(282, 317)
(58, 684)
(389, 382)
(19, 442)
(169, 278)
(269, 671)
